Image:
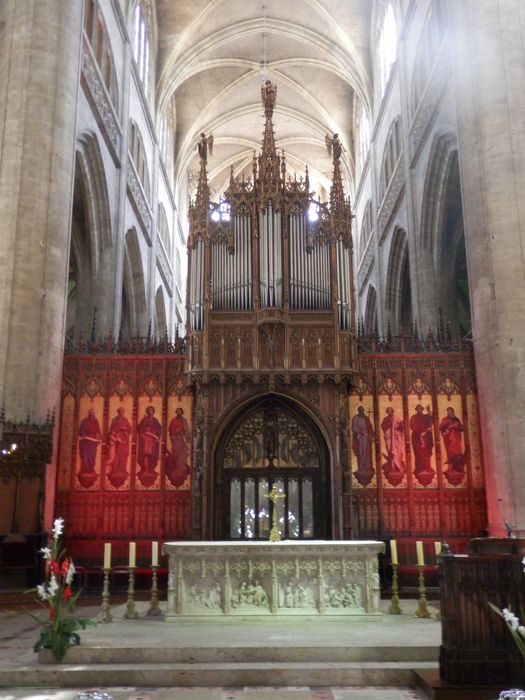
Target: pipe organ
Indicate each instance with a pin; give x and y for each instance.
(271, 257)
(271, 328)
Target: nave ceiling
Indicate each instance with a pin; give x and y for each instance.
(215, 55)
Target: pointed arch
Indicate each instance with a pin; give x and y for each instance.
(134, 316)
(391, 156)
(442, 233)
(164, 230)
(161, 324)
(92, 179)
(371, 311)
(398, 298)
(261, 431)
(90, 235)
(443, 149)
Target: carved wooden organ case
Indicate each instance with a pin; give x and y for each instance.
(271, 330)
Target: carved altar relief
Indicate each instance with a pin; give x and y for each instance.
(273, 579)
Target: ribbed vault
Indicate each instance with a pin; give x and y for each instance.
(214, 56)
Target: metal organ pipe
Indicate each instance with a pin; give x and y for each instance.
(343, 283)
(262, 258)
(232, 271)
(278, 263)
(197, 287)
(309, 271)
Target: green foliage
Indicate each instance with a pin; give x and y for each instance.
(59, 637)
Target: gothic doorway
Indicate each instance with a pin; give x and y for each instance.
(273, 443)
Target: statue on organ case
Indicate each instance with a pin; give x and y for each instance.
(269, 97)
(205, 144)
(333, 146)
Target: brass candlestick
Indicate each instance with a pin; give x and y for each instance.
(131, 613)
(274, 496)
(395, 608)
(422, 609)
(105, 611)
(154, 609)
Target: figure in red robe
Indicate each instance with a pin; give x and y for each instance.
(177, 466)
(362, 438)
(422, 444)
(119, 434)
(451, 429)
(393, 431)
(89, 438)
(149, 431)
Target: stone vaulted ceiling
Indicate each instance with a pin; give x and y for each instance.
(214, 56)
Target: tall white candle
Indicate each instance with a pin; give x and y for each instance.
(437, 547)
(154, 554)
(393, 552)
(420, 555)
(132, 555)
(107, 555)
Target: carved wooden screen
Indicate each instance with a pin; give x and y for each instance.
(271, 446)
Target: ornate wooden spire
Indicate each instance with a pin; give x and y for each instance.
(339, 205)
(269, 171)
(199, 209)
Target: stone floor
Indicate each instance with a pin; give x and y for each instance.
(369, 693)
(18, 633)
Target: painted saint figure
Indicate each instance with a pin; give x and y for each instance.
(149, 431)
(451, 429)
(422, 444)
(393, 432)
(362, 439)
(89, 438)
(177, 466)
(119, 434)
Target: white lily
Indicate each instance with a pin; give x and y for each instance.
(511, 619)
(70, 573)
(41, 590)
(53, 586)
(58, 527)
(46, 552)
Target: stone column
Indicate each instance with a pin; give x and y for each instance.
(39, 79)
(489, 67)
(39, 72)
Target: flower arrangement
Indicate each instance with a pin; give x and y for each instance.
(58, 631)
(513, 623)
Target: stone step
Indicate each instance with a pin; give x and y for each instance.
(95, 654)
(315, 674)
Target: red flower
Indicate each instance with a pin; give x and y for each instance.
(66, 595)
(55, 569)
(52, 613)
(65, 567)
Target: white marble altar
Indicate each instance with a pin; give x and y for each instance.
(290, 578)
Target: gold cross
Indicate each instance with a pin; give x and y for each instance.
(274, 496)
